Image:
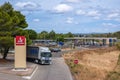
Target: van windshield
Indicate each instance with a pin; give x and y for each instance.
(46, 54)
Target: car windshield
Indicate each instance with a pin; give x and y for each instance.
(46, 54)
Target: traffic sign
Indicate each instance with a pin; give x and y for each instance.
(75, 61)
(20, 40)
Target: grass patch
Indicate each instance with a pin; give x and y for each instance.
(115, 74)
(73, 67)
(89, 68)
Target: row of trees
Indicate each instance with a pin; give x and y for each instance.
(53, 35)
(44, 35)
(115, 34)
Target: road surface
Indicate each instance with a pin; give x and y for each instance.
(58, 70)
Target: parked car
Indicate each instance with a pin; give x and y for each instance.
(55, 49)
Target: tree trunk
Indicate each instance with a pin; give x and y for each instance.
(5, 53)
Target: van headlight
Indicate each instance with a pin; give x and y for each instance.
(50, 59)
(43, 58)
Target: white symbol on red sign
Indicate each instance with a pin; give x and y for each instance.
(20, 40)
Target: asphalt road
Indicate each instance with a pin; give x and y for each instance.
(58, 70)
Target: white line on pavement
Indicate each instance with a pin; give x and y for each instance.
(29, 77)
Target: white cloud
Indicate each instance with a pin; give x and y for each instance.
(27, 6)
(96, 17)
(93, 13)
(69, 20)
(110, 25)
(61, 8)
(73, 1)
(80, 12)
(113, 15)
(36, 20)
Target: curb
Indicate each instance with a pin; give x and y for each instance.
(29, 77)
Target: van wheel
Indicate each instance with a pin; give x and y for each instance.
(39, 62)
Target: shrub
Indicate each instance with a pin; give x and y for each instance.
(118, 45)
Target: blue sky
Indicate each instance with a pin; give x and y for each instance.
(76, 16)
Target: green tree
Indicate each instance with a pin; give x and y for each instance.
(52, 35)
(117, 34)
(11, 22)
(69, 34)
(32, 34)
(43, 35)
(60, 37)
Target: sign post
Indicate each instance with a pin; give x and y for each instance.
(20, 52)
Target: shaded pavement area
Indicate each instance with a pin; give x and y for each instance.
(7, 69)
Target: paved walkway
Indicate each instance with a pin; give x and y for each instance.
(10, 77)
(7, 71)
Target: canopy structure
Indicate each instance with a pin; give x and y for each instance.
(92, 40)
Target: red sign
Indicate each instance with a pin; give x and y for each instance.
(76, 61)
(20, 40)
